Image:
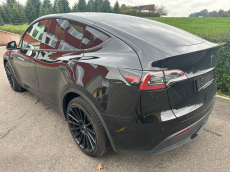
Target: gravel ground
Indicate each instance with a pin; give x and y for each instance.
(34, 137)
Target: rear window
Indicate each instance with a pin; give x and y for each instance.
(63, 35)
(92, 38)
(153, 32)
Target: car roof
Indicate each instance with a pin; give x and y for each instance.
(87, 17)
(150, 31)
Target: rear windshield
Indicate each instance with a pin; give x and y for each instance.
(154, 32)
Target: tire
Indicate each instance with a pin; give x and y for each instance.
(90, 135)
(12, 80)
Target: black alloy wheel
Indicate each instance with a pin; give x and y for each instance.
(9, 76)
(86, 128)
(82, 129)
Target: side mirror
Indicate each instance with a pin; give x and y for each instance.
(11, 45)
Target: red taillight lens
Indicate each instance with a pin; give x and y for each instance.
(153, 81)
(132, 78)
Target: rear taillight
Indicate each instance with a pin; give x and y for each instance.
(152, 80)
(173, 76)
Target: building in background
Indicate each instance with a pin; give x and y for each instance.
(144, 8)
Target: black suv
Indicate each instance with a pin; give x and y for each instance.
(141, 86)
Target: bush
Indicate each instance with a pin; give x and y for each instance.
(140, 14)
(223, 68)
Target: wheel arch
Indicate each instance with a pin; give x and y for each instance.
(77, 91)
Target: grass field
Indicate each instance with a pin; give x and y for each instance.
(211, 28)
(18, 29)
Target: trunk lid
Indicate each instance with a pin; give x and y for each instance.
(192, 95)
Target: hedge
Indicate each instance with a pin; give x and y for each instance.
(223, 68)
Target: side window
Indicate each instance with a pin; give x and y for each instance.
(33, 37)
(63, 35)
(92, 38)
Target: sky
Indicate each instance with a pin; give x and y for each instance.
(176, 8)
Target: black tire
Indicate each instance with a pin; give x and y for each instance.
(12, 80)
(83, 131)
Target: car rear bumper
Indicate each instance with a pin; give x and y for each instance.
(174, 141)
(145, 139)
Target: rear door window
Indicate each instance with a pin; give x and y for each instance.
(92, 38)
(63, 35)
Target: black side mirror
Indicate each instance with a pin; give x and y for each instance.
(11, 45)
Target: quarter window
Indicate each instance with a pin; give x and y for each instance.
(92, 38)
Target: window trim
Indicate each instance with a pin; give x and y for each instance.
(111, 37)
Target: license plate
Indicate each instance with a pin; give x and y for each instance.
(204, 81)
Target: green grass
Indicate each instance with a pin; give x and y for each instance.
(18, 29)
(215, 29)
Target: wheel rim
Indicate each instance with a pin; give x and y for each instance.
(9, 76)
(82, 129)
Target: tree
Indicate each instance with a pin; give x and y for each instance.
(116, 8)
(124, 8)
(41, 11)
(1, 21)
(100, 5)
(3, 13)
(226, 14)
(15, 15)
(47, 6)
(22, 12)
(96, 6)
(10, 3)
(89, 7)
(75, 8)
(56, 7)
(30, 11)
(161, 10)
(106, 6)
(64, 6)
(220, 13)
(36, 4)
(82, 6)
(8, 14)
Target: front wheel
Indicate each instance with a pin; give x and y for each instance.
(11, 78)
(86, 128)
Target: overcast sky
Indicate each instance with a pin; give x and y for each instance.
(177, 8)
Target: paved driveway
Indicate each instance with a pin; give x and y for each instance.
(34, 137)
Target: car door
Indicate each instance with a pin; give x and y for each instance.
(60, 50)
(23, 58)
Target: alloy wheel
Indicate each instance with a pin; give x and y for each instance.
(9, 76)
(82, 129)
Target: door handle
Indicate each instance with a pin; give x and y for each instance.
(19, 58)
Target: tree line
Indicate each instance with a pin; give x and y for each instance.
(206, 13)
(12, 12)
